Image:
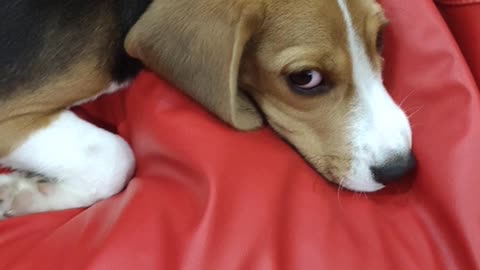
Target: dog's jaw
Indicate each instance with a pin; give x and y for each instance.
(379, 129)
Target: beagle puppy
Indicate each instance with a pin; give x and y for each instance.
(311, 69)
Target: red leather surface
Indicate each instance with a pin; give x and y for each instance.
(208, 197)
(463, 18)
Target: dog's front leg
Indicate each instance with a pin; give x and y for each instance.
(81, 163)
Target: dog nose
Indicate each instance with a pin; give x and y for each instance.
(394, 169)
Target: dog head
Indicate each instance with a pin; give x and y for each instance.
(312, 68)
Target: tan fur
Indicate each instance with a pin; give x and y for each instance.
(26, 113)
(38, 103)
(182, 41)
(232, 57)
(368, 18)
(314, 125)
(199, 46)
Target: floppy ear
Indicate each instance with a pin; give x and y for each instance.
(197, 45)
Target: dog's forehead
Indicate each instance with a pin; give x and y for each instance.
(304, 20)
(365, 7)
(295, 22)
(361, 11)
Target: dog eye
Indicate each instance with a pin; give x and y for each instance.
(307, 82)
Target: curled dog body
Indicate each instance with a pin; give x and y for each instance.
(311, 69)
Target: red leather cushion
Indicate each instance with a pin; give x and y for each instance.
(463, 18)
(208, 197)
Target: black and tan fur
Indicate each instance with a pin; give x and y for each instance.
(235, 57)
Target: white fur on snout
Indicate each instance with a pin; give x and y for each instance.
(379, 128)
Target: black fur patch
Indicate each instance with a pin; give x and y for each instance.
(41, 38)
(129, 11)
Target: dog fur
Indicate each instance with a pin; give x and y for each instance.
(236, 58)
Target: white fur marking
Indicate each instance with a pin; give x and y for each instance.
(380, 129)
(88, 163)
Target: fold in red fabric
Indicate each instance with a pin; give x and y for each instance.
(463, 18)
(208, 197)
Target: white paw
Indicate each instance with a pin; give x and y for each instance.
(20, 193)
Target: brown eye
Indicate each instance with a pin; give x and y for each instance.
(379, 42)
(307, 82)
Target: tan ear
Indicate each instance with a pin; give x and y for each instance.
(197, 45)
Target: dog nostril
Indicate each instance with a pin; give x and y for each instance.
(394, 169)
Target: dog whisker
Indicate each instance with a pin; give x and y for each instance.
(413, 108)
(415, 112)
(406, 97)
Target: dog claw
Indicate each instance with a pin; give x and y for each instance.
(16, 193)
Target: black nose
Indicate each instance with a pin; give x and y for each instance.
(394, 169)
